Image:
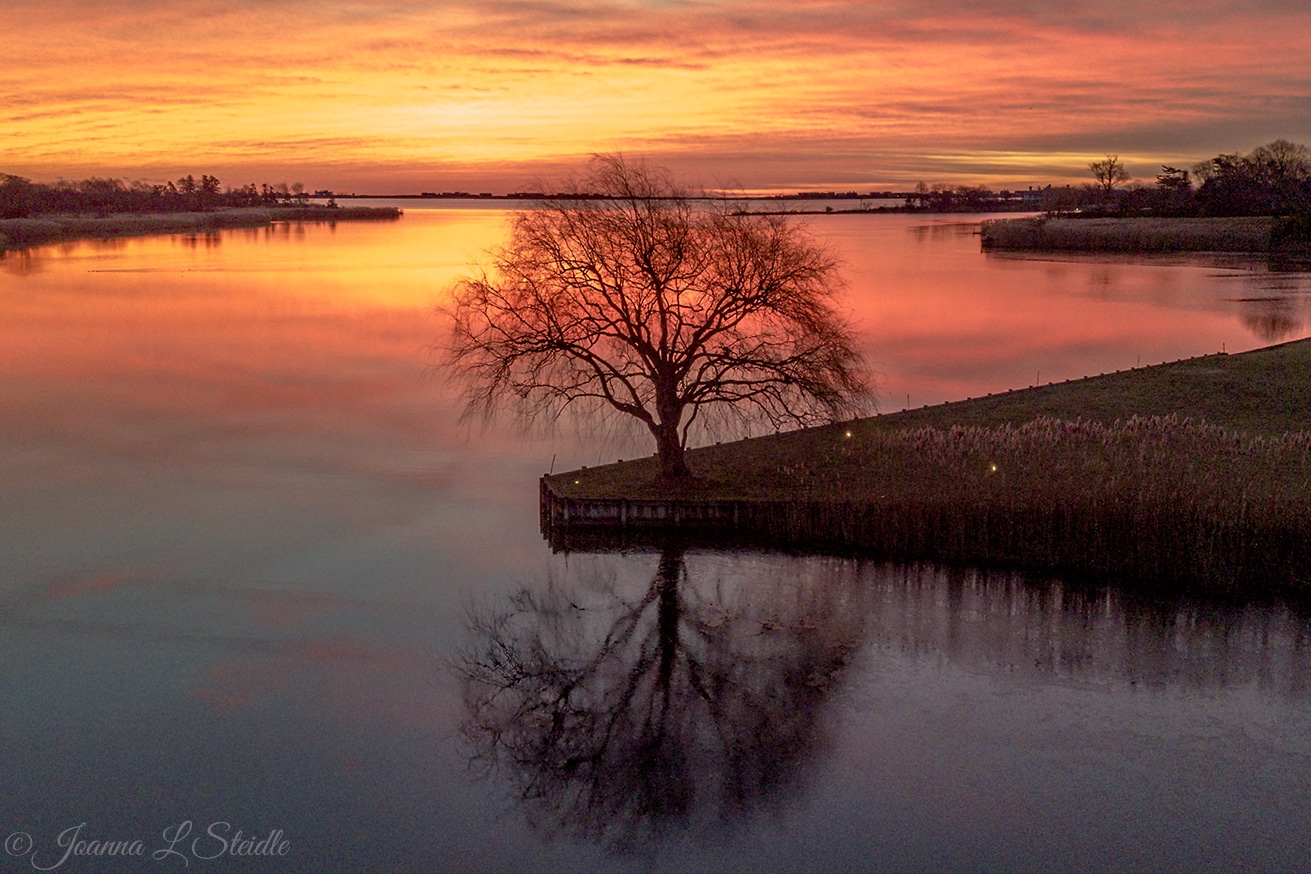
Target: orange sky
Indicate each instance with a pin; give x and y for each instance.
(403, 95)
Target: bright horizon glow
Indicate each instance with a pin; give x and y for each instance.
(401, 97)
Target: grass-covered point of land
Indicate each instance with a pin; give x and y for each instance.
(1266, 392)
(1250, 234)
(23, 233)
(1196, 472)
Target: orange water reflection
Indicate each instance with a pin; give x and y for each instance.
(147, 386)
(235, 497)
(323, 317)
(945, 322)
(174, 345)
(237, 332)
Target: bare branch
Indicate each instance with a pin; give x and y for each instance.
(649, 303)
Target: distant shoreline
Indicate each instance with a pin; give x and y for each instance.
(875, 203)
(25, 233)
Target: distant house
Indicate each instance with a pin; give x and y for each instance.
(1033, 197)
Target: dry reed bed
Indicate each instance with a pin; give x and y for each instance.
(1157, 498)
(27, 232)
(1239, 234)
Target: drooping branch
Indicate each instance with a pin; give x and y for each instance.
(649, 304)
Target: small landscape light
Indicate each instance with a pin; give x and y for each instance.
(992, 468)
(848, 435)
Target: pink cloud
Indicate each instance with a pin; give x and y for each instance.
(792, 94)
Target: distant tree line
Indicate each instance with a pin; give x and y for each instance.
(1271, 180)
(22, 198)
(964, 198)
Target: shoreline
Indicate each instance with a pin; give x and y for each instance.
(1239, 234)
(1193, 474)
(25, 233)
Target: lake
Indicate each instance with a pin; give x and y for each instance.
(266, 605)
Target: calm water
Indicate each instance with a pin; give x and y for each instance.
(256, 578)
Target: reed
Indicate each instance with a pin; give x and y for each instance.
(1234, 234)
(1159, 498)
(22, 233)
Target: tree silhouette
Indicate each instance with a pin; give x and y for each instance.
(617, 716)
(1285, 171)
(626, 296)
(17, 196)
(1109, 173)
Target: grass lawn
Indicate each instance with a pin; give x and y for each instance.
(1263, 392)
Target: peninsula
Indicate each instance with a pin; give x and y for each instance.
(37, 214)
(23, 233)
(1196, 472)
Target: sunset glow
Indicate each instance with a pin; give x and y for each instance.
(401, 96)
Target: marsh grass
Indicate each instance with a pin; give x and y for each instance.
(1162, 498)
(1154, 498)
(22, 233)
(1236, 234)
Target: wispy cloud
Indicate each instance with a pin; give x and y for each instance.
(795, 92)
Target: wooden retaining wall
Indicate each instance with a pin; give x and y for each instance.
(559, 512)
(1148, 542)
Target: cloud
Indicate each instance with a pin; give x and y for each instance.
(521, 84)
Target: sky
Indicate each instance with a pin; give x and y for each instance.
(395, 96)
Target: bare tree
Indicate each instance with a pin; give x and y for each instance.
(628, 296)
(1109, 173)
(1282, 160)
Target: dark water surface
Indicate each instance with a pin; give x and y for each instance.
(254, 577)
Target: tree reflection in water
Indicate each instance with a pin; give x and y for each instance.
(1271, 318)
(618, 712)
(621, 705)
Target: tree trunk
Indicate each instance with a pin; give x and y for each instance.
(670, 450)
(669, 444)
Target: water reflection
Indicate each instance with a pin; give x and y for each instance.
(617, 711)
(20, 262)
(225, 484)
(1000, 620)
(942, 229)
(203, 239)
(1273, 319)
(622, 709)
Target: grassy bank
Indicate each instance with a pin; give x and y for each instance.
(1196, 472)
(1263, 392)
(27, 232)
(1242, 234)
